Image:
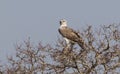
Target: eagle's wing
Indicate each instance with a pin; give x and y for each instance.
(69, 34)
(72, 35)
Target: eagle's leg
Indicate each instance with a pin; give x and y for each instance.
(69, 43)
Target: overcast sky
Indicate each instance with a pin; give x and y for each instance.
(39, 19)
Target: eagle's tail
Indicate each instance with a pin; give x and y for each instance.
(81, 43)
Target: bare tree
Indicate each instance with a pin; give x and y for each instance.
(100, 55)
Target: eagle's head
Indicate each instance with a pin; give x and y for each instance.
(63, 22)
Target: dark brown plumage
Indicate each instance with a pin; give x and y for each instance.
(69, 34)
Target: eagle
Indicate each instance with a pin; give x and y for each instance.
(70, 35)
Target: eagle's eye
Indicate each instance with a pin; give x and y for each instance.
(63, 21)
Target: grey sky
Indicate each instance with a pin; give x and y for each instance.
(39, 19)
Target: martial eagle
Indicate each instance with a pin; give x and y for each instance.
(70, 35)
